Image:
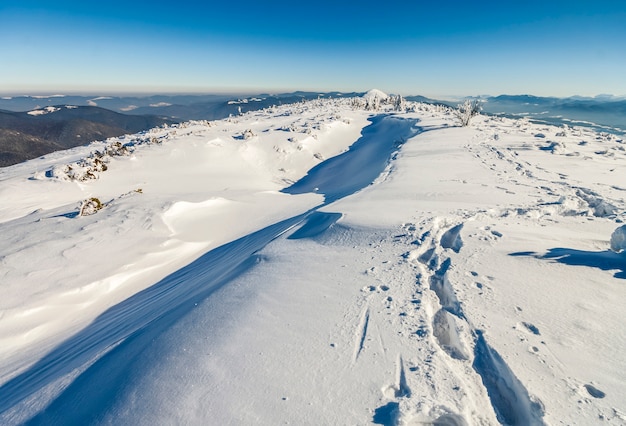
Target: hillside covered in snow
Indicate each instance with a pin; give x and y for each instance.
(336, 261)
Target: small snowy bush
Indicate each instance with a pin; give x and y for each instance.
(467, 110)
(90, 206)
(248, 134)
(618, 239)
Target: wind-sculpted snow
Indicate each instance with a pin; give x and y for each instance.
(317, 223)
(122, 331)
(347, 173)
(414, 275)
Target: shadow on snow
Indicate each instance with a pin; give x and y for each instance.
(100, 354)
(358, 167)
(145, 313)
(604, 260)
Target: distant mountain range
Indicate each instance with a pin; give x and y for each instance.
(176, 107)
(31, 126)
(26, 135)
(604, 111)
(601, 112)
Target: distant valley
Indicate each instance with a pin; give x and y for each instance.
(26, 135)
(32, 126)
(602, 113)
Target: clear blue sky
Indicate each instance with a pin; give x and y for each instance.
(425, 47)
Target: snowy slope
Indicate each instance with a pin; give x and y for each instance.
(235, 277)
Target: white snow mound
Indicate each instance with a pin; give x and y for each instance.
(43, 111)
(375, 93)
(618, 239)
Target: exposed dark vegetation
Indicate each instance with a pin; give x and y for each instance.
(24, 136)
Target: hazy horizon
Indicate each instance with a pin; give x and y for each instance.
(139, 94)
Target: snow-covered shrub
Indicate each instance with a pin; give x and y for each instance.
(372, 104)
(357, 103)
(468, 109)
(90, 206)
(99, 165)
(618, 239)
(117, 149)
(248, 134)
(398, 102)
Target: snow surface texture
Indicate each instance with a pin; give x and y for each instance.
(245, 271)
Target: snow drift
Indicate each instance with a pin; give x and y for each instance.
(317, 263)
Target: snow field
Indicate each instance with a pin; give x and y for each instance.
(473, 283)
(168, 203)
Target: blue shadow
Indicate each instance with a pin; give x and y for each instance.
(107, 346)
(604, 260)
(358, 167)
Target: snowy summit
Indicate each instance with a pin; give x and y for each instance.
(375, 93)
(344, 261)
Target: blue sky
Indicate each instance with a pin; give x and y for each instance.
(558, 48)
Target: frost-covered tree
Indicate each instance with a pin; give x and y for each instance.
(399, 103)
(372, 103)
(468, 109)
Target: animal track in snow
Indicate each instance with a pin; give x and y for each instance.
(594, 391)
(426, 257)
(451, 239)
(508, 396)
(440, 284)
(447, 334)
(532, 328)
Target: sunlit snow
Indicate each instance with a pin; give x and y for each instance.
(344, 261)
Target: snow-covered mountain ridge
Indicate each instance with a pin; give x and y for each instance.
(470, 284)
